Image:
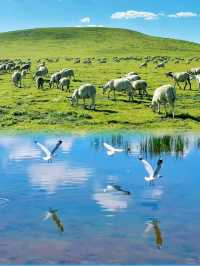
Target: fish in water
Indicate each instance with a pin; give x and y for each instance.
(52, 213)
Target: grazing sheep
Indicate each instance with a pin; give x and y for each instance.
(145, 64)
(197, 78)
(55, 78)
(17, 67)
(24, 73)
(17, 79)
(120, 85)
(41, 72)
(2, 68)
(67, 73)
(9, 67)
(159, 65)
(26, 67)
(131, 74)
(141, 86)
(195, 71)
(64, 82)
(40, 81)
(132, 77)
(86, 91)
(180, 77)
(165, 94)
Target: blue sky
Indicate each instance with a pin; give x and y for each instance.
(172, 18)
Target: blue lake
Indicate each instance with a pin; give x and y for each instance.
(157, 224)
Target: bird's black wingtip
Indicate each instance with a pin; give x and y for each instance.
(35, 141)
(140, 158)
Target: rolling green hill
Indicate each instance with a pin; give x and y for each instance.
(81, 42)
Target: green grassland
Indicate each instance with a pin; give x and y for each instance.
(30, 109)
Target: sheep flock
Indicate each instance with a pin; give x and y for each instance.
(132, 84)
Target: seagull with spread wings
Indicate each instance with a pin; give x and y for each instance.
(153, 174)
(48, 154)
(111, 150)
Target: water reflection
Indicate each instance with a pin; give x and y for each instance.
(159, 145)
(52, 176)
(77, 182)
(151, 145)
(154, 226)
(112, 201)
(19, 148)
(67, 143)
(53, 214)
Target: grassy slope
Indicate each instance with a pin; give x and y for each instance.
(28, 108)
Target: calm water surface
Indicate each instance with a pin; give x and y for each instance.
(154, 225)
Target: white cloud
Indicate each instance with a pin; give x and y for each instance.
(133, 14)
(183, 15)
(90, 25)
(85, 20)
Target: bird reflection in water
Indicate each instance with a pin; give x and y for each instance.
(53, 214)
(154, 226)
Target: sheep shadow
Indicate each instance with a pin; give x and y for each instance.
(185, 116)
(106, 111)
(137, 101)
(77, 80)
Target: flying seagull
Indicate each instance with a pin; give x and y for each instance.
(153, 174)
(111, 150)
(49, 155)
(115, 188)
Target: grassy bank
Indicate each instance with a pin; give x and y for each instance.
(31, 109)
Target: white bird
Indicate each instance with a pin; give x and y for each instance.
(111, 150)
(49, 154)
(153, 174)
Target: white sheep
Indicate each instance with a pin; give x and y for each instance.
(140, 86)
(180, 77)
(197, 78)
(55, 78)
(24, 73)
(195, 71)
(145, 64)
(132, 77)
(41, 72)
(87, 91)
(165, 95)
(121, 85)
(40, 81)
(161, 64)
(17, 79)
(131, 74)
(64, 82)
(67, 73)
